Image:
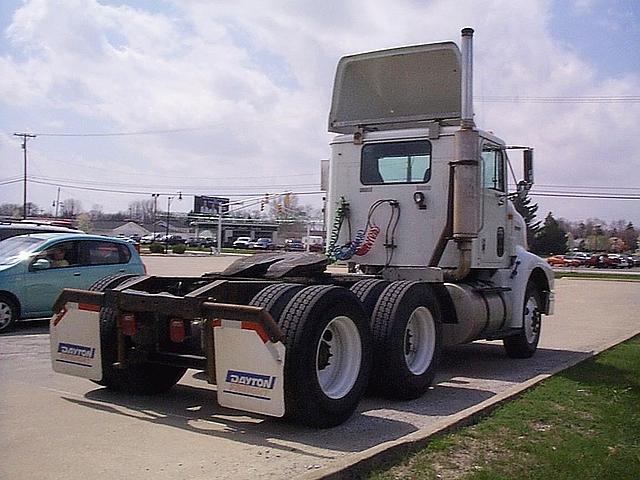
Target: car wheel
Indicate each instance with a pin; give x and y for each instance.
(8, 313)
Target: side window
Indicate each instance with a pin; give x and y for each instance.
(398, 162)
(64, 254)
(105, 253)
(493, 174)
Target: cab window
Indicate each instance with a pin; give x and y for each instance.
(397, 162)
(493, 165)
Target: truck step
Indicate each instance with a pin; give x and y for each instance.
(507, 332)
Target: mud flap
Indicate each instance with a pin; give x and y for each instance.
(75, 341)
(249, 368)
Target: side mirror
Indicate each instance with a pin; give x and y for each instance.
(41, 264)
(528, 165)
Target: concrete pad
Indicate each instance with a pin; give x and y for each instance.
(53, 426)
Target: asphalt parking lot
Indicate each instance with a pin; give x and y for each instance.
(53, 426)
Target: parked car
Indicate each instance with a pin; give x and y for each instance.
(242, 242)
(263, 244)
(608, 260)
(293, 245)
(35, 268)
(577, 259)
(556, 261)
(315, 243)
(613, 260)
(12, 229)
(151, 238)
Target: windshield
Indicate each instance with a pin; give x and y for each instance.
(15, 249)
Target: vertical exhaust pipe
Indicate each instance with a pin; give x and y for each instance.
(466, 169)
(467, 78)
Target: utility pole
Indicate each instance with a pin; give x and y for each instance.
(57, 204)
(155, 213)
(24, 136)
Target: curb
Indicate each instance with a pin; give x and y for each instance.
(355, 466)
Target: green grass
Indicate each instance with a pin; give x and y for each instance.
(583, 423)
(599, 276)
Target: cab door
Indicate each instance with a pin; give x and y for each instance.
(491, 251)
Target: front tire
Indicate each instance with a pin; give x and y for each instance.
(525, 343)
(328, 355)
(8, 313)
(407, 339)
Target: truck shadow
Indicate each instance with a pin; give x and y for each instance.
(468, 376)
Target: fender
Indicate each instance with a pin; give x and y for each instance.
(527, 266)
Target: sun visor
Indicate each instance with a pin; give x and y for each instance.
(397, 86)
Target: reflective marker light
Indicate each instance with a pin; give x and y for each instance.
(176, 330)
(127, 323)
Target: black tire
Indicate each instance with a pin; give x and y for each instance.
(324, 379)
(368, 291)
(525, 343)
(136, 378)
(111, 281)
(275, 298)
(405, 311)
(9, 313)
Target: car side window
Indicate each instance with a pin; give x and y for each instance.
(99, 252)
(60, 255)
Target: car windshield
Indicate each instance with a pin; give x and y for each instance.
(15, 249)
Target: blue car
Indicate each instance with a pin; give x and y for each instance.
(35, 268)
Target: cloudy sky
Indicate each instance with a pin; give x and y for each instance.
(223, 98)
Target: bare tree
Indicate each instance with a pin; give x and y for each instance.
(142, 210)
(71, 207)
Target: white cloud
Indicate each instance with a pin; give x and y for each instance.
(259, 79)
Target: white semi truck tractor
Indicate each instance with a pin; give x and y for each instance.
(418, 208)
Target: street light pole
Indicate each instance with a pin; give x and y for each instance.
(166, 238)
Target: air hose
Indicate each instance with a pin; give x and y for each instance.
(364, 239)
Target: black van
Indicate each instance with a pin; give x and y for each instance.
(13, 229)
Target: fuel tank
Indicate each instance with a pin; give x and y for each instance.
(481, 309)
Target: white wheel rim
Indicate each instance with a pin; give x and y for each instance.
(531, 319)
(419, 340)
(5, 315)
(338, 357)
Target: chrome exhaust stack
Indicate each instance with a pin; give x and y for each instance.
(466, 169)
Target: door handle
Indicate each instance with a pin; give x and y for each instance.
(76, 274)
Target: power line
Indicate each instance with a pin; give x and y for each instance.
(125, 134)
(584, 195)
(562, 99)
(138, 192)
(169, 187)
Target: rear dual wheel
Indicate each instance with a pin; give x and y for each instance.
(407, 338)
(139, 378)
(328, 353)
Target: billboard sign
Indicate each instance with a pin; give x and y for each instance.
(210, 205)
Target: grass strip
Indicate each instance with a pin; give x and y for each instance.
(598, 276)
(583, 423)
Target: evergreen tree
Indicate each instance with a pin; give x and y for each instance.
(551, 238)
(528, 212)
